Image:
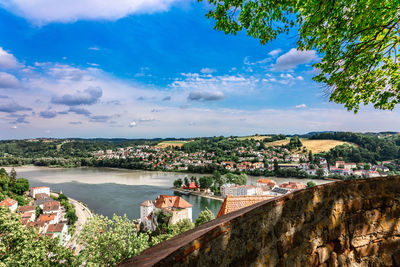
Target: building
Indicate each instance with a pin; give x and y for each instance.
(233, 203)
(48, 218)
(28, 216)
(10, 203)
(147, 215)
(292, 186)
(38, 190)
(177, 207)
(51, 207)
(277, 191)
(59, 231)
(24, 209)
(41, 202)
(265, 183)
(238, 190)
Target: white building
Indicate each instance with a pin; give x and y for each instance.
(238, 190)
(147, 215)
(10, 203)
(37, 190)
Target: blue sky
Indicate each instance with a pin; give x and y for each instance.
(155, 68)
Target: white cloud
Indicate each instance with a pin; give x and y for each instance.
(8, 81)
(301, 106)
(207, 70)
(132, 124)
(275, 52)
(47, 11)
(293, 58)
(7, 60)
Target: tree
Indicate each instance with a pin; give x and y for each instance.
(310, 156)
(21, 186)
(204, 216)
(311, 184)
(320, 172)
(23, 246)
(241, 179)
(178, 183)
(358, 41)
(276, 165)
(205, 182)
(108, 242)
(71, 217)
(186, 181)
(13, 176)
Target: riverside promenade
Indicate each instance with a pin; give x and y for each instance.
(196, 193)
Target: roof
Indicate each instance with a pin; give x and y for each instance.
(8, 202)
(266, 181)
(26, 208)
(292, 185)
(233, 203)
(164, 201)
(280, 190)
(55, 228)
(38, 187)
(47, 217)
(146, 203)
(27, 214)
(51, 205)
(42, 196)
(35, 224)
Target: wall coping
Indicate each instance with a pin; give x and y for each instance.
(157, 253)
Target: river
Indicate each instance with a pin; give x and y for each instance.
(107, 191)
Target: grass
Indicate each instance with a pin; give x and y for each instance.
(177, 143)
(316, 146)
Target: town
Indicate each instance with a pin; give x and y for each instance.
(259, 160)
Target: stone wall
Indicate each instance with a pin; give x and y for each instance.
(351, 223)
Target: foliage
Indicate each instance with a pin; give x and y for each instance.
(178, 183)
(358, 41)
(107, 242)
(11, 188)
(320, 172)
(206, 182)
(22, 246)
(294, 143)
(204, 216)
(311, 184)
(21, 186)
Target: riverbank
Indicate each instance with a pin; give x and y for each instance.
(194, 193)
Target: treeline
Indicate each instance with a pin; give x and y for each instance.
(370, 148)
(12, 187)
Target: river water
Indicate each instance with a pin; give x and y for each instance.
(107, 191)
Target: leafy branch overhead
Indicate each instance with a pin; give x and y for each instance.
(358, 41)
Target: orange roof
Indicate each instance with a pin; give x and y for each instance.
(54, 228)
(146, 203)
(292, 185)
(46, 217)
(51, 205)
(38, 187)
(233, 203)
(265, 181)
(8, 202)
(164, 201)
(26, 208)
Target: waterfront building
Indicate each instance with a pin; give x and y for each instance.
(38, 190)
(177, 207)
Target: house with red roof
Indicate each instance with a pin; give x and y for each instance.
(10, 203)
(39, 190)
(177, 207)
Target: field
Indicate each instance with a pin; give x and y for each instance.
(316, 146)
(171, 143)
(258, 137)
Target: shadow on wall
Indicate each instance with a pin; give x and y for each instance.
(350, 223)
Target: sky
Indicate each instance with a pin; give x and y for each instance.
(156, 68)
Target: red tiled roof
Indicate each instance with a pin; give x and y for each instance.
(164, 201)
(51, 206)
(146, 203)
(47, 217)
(233, 203)
(54, 228)
(266, 181)
(38, 187)
(8, 202)
(23, 209)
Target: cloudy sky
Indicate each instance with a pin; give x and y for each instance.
(155, 68)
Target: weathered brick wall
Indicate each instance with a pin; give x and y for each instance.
(352, 223)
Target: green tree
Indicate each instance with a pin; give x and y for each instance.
(366, 166)
(204, 216)
(311, 184)
(23, 246)
(205, 182)
(320, 172)
(358, 41)
(186, 181)
(21, 186)
(13, 176)
(310, 156)
(241, 179)
(107, 242)
(178, 183)
(276, 165)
